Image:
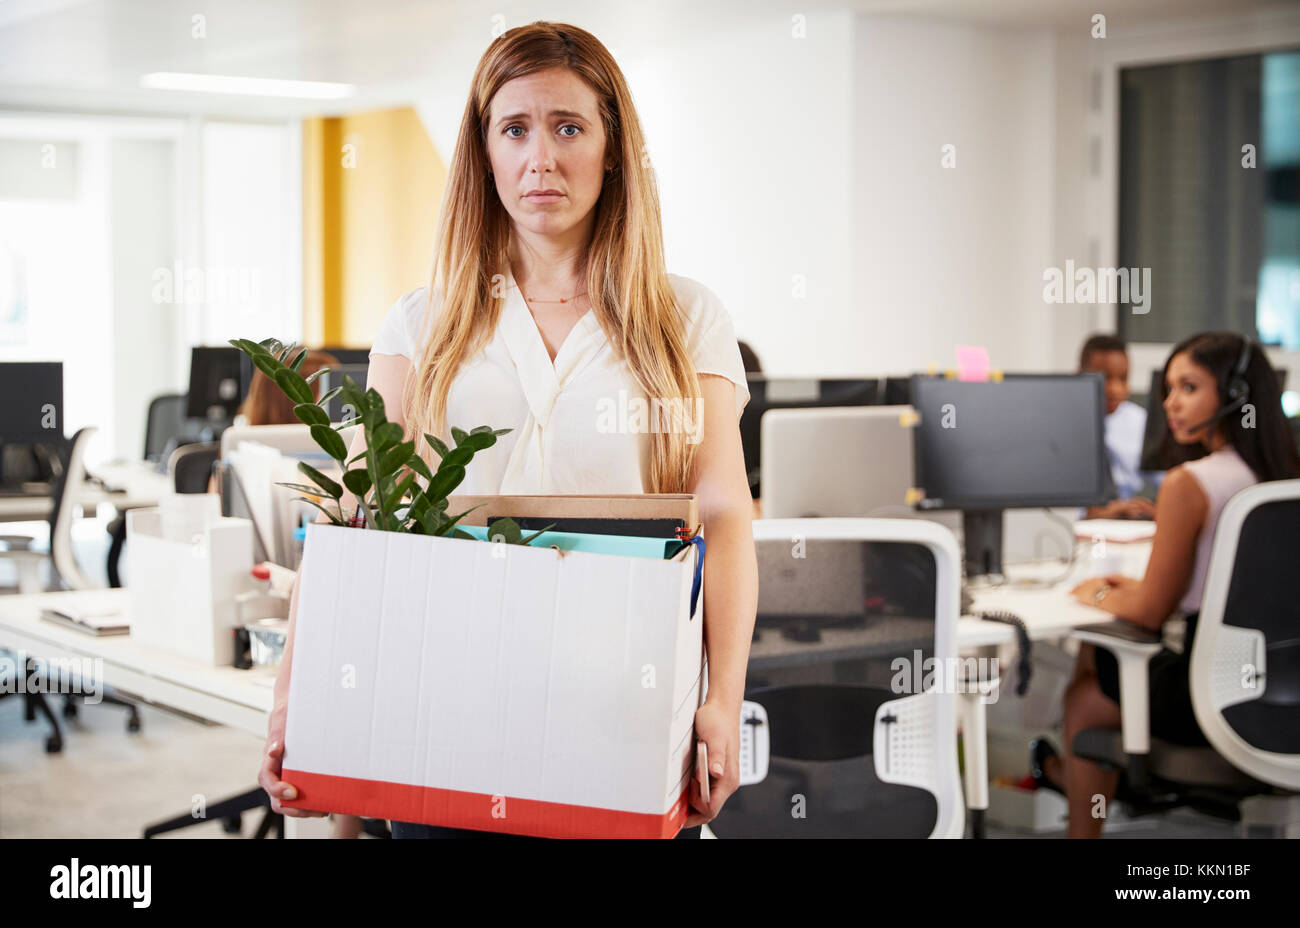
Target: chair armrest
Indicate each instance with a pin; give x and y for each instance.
(1133, 647)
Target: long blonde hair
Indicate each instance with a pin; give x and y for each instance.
(627, 283)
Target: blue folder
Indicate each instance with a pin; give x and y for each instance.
(625, 545)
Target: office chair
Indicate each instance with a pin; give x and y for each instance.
(861, 760)
(166, 426)
(69, 480)
(191, 466)
(1244, 680)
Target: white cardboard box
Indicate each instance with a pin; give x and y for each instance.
(494, 687)
(182, 594)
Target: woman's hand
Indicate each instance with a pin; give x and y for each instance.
(718, 726)
(1086, 592)
(268, 777)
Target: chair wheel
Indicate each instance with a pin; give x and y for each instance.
(53, 744)
(133, 723)
(232, 824)
(69, 710)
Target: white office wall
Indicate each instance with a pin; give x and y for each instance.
(751, 139)
(250, 222)
(949, 255)
(146, 334)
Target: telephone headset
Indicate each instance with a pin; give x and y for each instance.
(1238, 388)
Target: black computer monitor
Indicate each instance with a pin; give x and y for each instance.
(1031, 440)
(31, 420)
(32, 411)
(349, 355)
(898, 392)
(1159, 450)
(790, 393)
(218, 383)
(332, 378)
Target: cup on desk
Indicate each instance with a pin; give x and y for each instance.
(185, 516)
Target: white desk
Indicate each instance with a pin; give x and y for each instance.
(1048, 612)
(241, 699)
(238, 698)
(140, 485)
(139, 481)
(1051, 612)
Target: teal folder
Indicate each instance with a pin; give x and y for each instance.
(625, 545)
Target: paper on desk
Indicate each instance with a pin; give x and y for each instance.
(1120, 531)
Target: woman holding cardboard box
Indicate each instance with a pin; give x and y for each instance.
(551, 313)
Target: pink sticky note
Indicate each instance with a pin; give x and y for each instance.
(972, 362)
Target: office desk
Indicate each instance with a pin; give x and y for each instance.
(1048, 612)
(238, 698)
(1051, 612)
(890, 637)
(241, 699)
(138, 482)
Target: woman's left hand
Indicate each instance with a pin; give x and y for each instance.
(718, 726)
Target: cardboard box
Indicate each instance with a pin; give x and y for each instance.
(644, 506)
(495, 687)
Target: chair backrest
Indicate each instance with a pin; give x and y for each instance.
(291, 439)
(868, 756)
(67, 486)
(165, 422)
(1245, 666)
(191, 466)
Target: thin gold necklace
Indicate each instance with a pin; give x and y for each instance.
(561, 300)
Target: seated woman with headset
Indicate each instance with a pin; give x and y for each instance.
(1221, 395)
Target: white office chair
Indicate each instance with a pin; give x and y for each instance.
(864, 760)
(1244, 679)
(292, 439)
(66, 489)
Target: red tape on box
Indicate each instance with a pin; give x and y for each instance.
(404, 802)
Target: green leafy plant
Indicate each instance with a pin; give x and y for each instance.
(393, 485)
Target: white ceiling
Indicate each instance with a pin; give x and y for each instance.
(90, 54)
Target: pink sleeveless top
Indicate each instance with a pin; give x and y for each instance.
(1221, 475)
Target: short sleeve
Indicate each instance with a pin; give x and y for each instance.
(400, 331)
(711, 337)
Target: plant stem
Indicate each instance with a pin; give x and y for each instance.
(372, 464)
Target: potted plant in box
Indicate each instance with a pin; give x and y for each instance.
(386, 480)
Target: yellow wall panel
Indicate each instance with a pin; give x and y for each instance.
(373, 183)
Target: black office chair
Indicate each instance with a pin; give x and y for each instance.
(1244, 680)
(191, 466)
(166, 425)
(70, 472)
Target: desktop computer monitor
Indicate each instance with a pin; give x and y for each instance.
(897, 392)
(853, 461)
(1159, 450)
(333, 377)
(1030, 441)
(31, 420)
(218, 383)
(350, 356)
(790, 393)
(32, 412)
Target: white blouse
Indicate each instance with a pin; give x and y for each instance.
(579, 425)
